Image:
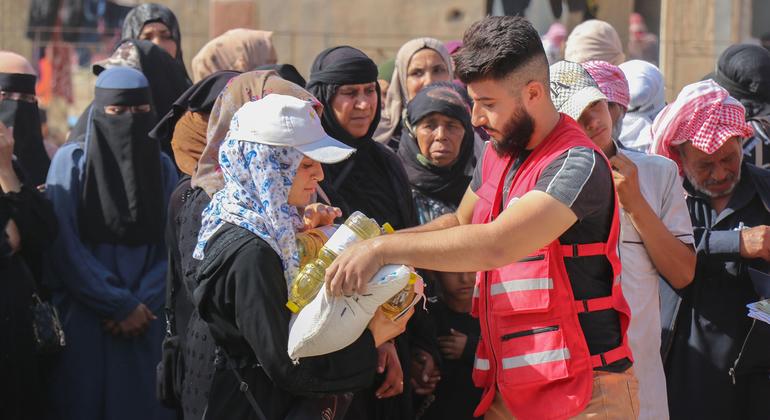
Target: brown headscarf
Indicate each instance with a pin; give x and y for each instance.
(594, 40)
(396, 98)
(245, 88)
(189, 140)
(237, 49)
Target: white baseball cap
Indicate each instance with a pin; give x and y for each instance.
(282, 120)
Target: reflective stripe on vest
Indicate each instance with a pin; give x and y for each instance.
(481, 364)
(539, 358)
(520, 285)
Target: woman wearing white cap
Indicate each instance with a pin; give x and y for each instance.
(271, 161)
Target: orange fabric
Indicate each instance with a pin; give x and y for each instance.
(189, 140)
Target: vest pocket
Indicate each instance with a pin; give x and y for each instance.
(523, 287)
(533, 355)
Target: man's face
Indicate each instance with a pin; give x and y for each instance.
(499, 109)
(714, 175)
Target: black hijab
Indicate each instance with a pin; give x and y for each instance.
(373, 180)
(286, 71)
(168, 79)
(24, 117)
(200, 98)
(744, 71)
(149, 13)
(447, 184)
(122, 193)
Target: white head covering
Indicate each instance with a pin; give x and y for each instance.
(645, 83)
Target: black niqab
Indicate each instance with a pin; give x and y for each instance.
(122, 193)
(373, 180)
(24, 117)
(200, 98)
(149, 13)
(744, 71)
(168, 80)
(446, 184)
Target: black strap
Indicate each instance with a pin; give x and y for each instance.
(243, 386)
(168, 310)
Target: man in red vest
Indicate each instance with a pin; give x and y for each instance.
(539, 223)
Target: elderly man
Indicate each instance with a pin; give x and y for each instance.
(18, 109)
(718, 364)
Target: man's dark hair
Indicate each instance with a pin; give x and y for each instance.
(498, 45)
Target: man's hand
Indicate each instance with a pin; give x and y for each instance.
(452, 346)
(755, 242)
(626, 178)
(387, 360)
(351, 271)
(318, 214)
(424, 373)
(137, 322)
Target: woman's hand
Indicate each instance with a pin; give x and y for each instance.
(424, 373)
(387, 361)
(318, 214)
(383, 329)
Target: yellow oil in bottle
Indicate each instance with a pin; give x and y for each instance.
(311, 277)
(393, 307)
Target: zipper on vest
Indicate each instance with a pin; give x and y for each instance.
(539, 257)
(525, 333)
(490, 345)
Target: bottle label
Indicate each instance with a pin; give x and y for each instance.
(327, 231)
(342, 238)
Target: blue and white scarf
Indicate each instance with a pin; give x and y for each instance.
(258, 178)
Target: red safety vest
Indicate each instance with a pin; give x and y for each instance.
(532, 348)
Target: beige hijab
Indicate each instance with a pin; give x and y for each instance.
(241, 89)
(237, 49)
(594, 40)
(397, 96)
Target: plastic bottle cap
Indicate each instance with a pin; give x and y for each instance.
(387, 228)
(412, 278)
(292, 306)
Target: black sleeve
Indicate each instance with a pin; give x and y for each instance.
(581, 179)
(469, 352)
(256, 291)
(34, 216)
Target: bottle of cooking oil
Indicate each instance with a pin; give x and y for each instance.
(311, 278)
(393, 307)
(310, 242)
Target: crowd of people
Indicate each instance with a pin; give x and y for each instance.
(588, 250)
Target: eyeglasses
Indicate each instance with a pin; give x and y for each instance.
(18, 96)
(122, 109)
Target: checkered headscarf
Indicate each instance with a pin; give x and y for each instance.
(704, 114)
(611, 80)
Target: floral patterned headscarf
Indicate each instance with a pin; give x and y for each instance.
(257, 180)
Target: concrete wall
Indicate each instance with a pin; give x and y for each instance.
(694, 33)
(303, 28)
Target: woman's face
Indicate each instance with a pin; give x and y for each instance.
(160, 35)
(440, 138)
(354, 106)
(309, 174)
(425, 67)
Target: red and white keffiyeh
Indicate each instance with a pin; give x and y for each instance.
(704, 114)
(611, 80)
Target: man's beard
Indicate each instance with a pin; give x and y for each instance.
(703, 188)
(516, 134)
